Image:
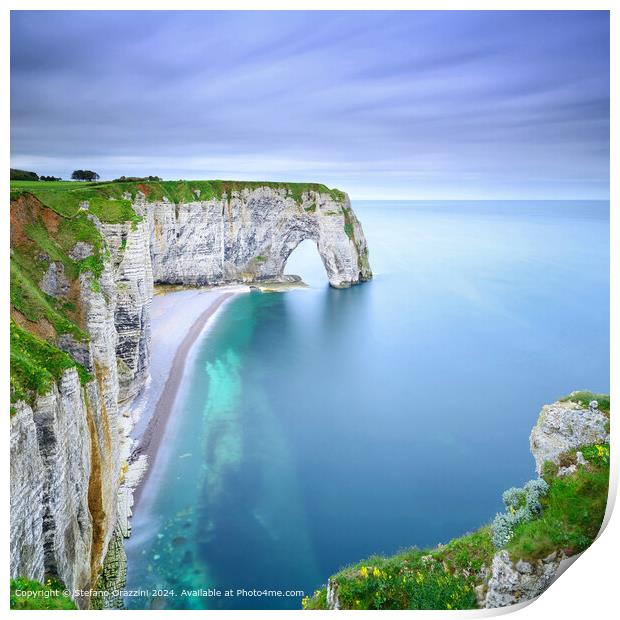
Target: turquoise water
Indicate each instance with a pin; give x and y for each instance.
(321, 426)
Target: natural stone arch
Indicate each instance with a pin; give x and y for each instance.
(249, 235)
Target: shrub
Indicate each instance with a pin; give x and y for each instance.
(23, 175)
(521, 505)
(596, 454)
(124, 179)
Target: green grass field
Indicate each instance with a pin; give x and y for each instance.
(49, 184)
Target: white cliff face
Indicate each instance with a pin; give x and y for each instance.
(60, 417)
(27, 485)
(51, 526)
(249, 235)
(513, 583)
(131, 263)
(70, 501)
(565, 425)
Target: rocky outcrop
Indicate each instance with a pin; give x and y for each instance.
(54, 281)
(249, 235)
(561, 426)
(332, 594)
(513, 583)
(113, 575)
(565, 425)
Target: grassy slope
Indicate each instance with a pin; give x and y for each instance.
(36, 364)
(440, 578)
(41, 234)
(572, 514)
(444, 578)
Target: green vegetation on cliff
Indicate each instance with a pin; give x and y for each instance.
(30, 594)
(109, 200)
(572, 511)
(105, 201)
(43, 243)
(36, 365)
(585, 398)
(568, 520)
(439, 578)
(40, 238)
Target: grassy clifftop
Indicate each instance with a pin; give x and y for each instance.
(108, 200)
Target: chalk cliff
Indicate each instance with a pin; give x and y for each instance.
(249, 235)
(83, 264)
(565, 425)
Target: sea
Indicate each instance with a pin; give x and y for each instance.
(317, 427)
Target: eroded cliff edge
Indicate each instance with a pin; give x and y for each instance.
(84, 258)
(547, 524)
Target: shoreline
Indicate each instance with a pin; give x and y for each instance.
(177, 311)
(148, 444)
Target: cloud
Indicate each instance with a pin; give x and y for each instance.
(407, 104)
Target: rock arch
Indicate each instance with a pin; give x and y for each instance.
(249, 235)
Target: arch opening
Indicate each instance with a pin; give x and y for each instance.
(305, 261)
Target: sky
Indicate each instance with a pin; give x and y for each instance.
(383, 105)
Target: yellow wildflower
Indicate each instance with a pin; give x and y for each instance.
(376, 572)
(364, 571)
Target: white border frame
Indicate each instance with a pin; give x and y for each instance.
(588, 588)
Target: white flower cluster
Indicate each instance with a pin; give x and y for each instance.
(521, 505)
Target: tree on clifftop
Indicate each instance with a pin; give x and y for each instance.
(84, 175)
(23, 175)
